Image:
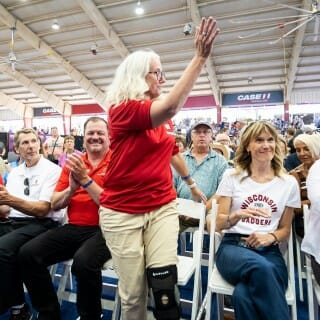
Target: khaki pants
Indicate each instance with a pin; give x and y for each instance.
(137, 242)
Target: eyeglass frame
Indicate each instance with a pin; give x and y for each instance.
(160, 75)
(26, 190)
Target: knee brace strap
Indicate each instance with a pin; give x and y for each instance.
(164, 292)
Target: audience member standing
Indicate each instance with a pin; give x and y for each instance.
(240, 126)
(68, 149)
(53, 146)
(256, 203)
(27, 199)
(81, 238)
(138, 213)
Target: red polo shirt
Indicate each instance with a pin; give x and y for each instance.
(139, 177)
(82, 210)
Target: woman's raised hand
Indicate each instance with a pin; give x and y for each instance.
(205, 34)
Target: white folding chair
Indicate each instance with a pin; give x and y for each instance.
(313, 289)
(300, 265)
(187, 265)
(219, 286)
(65, 293)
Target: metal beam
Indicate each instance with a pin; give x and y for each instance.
(30, 37)
(103, 25)
(16, 106)
(296, 51)
(39, 91)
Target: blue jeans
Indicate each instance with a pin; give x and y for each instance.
(260, 279)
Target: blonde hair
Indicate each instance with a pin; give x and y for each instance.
(243, 159)
(129, 82)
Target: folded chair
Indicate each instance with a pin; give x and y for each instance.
(191, 266)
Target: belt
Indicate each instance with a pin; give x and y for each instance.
(235, 235)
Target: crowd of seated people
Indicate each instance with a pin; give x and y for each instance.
(31, 203)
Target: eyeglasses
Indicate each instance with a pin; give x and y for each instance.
(159, 74)
(26, 190)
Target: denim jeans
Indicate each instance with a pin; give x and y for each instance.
(260, 279)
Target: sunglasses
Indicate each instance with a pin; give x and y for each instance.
(26, 189)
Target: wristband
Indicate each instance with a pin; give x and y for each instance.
(86, 185)
(192, 185)
(186, 177)
(275, 238)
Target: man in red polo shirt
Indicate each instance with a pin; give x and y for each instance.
(80, 239)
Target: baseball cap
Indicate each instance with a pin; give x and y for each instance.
(201, 123)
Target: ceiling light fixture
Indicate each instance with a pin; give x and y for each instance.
(55, 25)
(139, 9)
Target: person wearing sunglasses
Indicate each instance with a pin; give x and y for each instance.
(27, 198)
(138, 209)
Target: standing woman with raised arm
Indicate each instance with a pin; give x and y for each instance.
(138, 213)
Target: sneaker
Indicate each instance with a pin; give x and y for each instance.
(24, 313)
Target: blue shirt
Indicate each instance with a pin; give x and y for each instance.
(207, 174)
(12, 164)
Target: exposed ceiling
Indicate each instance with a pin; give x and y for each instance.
(58, 69)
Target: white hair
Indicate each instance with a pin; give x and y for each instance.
(129, 82)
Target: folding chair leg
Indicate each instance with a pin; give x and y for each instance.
(208, 305)
(220, 306)
(298, 255)
(63, 282)
(117, 307)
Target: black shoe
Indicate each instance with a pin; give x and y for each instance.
(24, 313)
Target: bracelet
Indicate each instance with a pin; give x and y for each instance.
(192, 185)
(275, 238)
(186, 177)
(86, 185)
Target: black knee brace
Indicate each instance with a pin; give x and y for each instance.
(164, 292)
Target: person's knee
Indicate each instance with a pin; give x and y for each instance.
(25, 255)
(261, 266)
(83, 265)
(164, 292)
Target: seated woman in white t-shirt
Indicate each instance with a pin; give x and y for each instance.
(256, 204)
